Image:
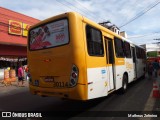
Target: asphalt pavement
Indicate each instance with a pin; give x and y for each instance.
(151, 103)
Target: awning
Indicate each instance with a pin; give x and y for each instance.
(10, 50)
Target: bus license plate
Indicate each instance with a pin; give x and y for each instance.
(49, 79)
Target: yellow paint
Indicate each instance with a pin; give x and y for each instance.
(15, 27)
(119, 61)
(105, 84)
(25, 29)
(63, 57)
(129, 66)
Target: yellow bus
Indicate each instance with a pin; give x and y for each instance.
(70, 56)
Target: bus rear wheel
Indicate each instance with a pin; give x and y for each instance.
(124, 84)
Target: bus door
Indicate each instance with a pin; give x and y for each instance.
(134, 62)
(109, 63)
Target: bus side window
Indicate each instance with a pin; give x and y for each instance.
(119, 47)
(138, 52)
(127, 50)
(94, 41)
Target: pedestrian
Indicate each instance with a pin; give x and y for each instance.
(156, 68)
(150, 70)
(159, 68)
(20, 74)
(26, 71)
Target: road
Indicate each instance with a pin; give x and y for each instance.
(135, 99)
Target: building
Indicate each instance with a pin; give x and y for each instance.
(114, 28)
(153, 51)
(13, 37)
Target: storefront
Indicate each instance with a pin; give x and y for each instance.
(13, 38)
(152, 51)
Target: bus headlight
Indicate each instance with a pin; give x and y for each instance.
(74, 76)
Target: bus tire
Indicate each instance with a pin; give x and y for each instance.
(124, 84)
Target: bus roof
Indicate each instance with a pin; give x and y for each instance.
(85, 19)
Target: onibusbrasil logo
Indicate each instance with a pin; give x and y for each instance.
(21, 114)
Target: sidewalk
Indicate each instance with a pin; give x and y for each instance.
(153, 103)
(156, 106)
(9, 89)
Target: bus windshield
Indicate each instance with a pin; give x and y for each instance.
(49, 35)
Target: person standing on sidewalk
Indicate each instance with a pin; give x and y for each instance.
(156, 68)
(20, 74)
(150, 70)
(159, 68)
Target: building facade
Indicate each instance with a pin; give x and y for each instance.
(153, 51)
(13, 37)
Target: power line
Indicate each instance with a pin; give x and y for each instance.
(65, 5)
(157, 39)
(76, 7)
(84, 11)
(95, 17)
(143, 12)
(68, 6)
(60, 4)
(132, 8)
(83, 6)
(140, 36)
(88, 10)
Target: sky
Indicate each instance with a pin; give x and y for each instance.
(140, 19)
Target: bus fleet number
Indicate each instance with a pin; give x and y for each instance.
(60, 84)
